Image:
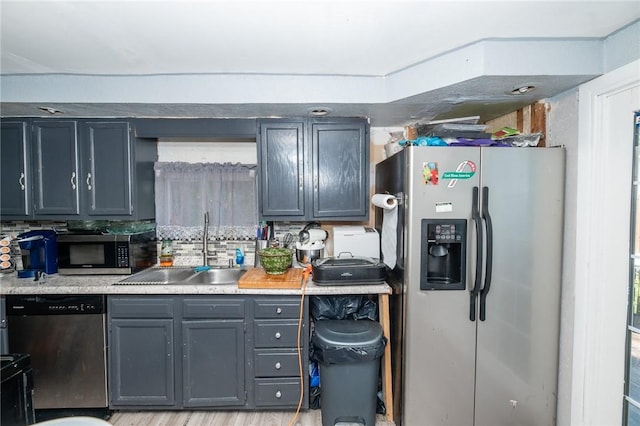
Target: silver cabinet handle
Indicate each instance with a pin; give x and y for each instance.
(278, 335)
(278, 310)
(89, 181)
(315, 183)
(73, 180)
(278, 366)
(278, 394)
(21, 181)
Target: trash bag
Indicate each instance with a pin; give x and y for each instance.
(347, 341)
(314, 397)
(343, 307)
(329, 354)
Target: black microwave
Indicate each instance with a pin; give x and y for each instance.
(105, 254)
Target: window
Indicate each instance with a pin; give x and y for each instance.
(185, 191)
(632, 381)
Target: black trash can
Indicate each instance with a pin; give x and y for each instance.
(348, 353)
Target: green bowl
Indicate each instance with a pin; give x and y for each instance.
(275, 260)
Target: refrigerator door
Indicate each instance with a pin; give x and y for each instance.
(439, 356)
(517, 353)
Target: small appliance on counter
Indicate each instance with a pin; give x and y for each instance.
(310, 244)
(100, 254)
(357, 241)
(348, 270)
(39, 253)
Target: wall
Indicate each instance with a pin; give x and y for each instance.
(563, 130)
(597, 132)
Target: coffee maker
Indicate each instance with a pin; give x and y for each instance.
(39, 253)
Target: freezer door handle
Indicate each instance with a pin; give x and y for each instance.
(475, 215)
(489, 263)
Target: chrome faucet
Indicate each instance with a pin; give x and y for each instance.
(205, 240)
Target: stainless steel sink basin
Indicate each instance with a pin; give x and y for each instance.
(186, 276)
(216, 276)
(156, 275)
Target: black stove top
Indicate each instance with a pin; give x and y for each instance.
(12, 363)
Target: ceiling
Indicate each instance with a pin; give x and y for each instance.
(396, 62)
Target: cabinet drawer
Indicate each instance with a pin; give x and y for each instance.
(276, 333)
(277, 308)
(143, 307)
(213, 308)
(276, 392)
(276, 362)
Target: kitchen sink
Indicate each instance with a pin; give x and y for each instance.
(216, 276)
(157, 275)
(186, 276)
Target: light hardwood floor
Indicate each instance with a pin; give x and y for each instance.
(222, 418)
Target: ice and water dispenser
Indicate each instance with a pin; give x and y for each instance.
(443, 254)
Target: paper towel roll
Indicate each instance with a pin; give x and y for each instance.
(389, 237)
(384, 201)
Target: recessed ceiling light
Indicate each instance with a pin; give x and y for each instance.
(521, 90)
(50, 110)
(319, 111)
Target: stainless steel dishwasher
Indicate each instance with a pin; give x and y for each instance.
(65, 336)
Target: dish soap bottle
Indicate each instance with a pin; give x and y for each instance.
(166, 254)
(239, 257)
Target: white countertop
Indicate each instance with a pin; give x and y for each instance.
(105, 284)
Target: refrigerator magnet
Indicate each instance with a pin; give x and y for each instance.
(430, 173)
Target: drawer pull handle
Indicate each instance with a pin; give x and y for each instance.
(278, 310)
(278, 394)
(89, 181)
(278, 335)
(21, 181)
(73, 180)
(278, 366)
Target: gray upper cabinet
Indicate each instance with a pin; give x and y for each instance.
(76, 169)
(56, 169)
(281, 163)
(340, 170)
(15, 169)
(313, 169)
(107, 176)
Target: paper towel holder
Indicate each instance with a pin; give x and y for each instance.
(399, 197)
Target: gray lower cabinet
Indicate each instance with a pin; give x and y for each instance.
(141, 352)
(189, 352)
(313, 169)
(213, 349)
(277, 366)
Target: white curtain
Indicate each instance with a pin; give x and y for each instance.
(185, 191)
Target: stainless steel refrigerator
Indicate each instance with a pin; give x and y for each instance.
(477, 282)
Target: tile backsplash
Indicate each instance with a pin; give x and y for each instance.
(186, 253)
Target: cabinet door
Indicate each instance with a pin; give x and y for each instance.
(340, 170)
(213, 363)
(106, 162)
(15, 197)
(55, 167)
(281, 167)
(141, 362)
